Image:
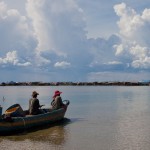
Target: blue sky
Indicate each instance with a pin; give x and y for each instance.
(74, 40)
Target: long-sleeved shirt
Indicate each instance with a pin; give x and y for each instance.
(34, 106)
(57, 103)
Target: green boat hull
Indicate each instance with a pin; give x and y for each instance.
(21, 124)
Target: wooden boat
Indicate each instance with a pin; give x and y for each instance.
(10, 125)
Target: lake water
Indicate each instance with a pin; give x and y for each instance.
(98, 118)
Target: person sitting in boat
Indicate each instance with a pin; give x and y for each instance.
(34, 105)
(57, 101)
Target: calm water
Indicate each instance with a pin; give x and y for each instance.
(98, 118)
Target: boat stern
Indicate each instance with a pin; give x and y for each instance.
(1, 108)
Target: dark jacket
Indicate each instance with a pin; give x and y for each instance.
(34, 106)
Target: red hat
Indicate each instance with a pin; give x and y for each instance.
(57, 93)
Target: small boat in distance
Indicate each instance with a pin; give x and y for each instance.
(12, 125)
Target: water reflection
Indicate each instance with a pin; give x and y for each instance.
(55, 134)
(105, 118)
(133, 122)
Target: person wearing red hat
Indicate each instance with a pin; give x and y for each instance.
(57, 101)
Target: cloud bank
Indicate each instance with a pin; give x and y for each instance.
(134, 32)
(51, 40)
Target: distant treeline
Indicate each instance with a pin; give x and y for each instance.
(12, 83)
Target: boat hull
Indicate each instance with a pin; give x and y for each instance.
(20, 124)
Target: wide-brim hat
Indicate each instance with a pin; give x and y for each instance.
(34, 93)
(57, 93)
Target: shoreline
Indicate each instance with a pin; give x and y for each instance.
(75, 84)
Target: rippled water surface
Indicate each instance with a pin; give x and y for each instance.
(98, 118)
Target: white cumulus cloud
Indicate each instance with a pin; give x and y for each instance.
(15, 34)
(12, 59)
(134, 33)
(48, 35)
(62, 65)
